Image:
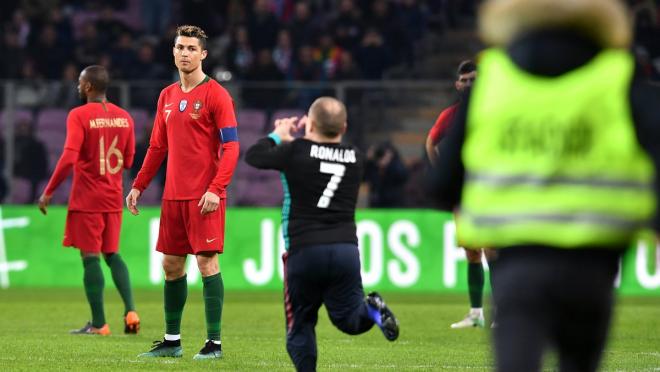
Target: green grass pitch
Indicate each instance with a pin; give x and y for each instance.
(34, 325)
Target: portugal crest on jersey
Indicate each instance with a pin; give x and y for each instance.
(182, 105)
(196, 107)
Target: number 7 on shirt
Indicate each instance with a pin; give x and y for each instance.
(337, 171)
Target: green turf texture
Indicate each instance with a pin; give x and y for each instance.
(34, 326)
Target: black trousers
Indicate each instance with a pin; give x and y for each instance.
(321, 274)
(553, 298)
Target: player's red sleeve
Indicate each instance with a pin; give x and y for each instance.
(155, 153)
(129, 151)
(230, 151)
(225, 121)
(75, 136)
(440, 127)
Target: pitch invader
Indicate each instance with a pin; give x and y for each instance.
(194, 121)
(100, 144)
(321, 178)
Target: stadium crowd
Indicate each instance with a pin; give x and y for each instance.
(256, 40)
(252, 41)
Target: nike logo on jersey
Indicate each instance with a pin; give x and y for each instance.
(168, 104)
(211, 240)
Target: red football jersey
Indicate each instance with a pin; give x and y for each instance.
(186, 129)
(103, 137)
(442, 123)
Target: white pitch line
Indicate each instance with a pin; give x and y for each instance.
(10, 223)
(4, 274)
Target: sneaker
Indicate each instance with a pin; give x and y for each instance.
(131, 323)
(88, 329)
(211, 350)
(470, 321)
(388, 323)
(164, 349)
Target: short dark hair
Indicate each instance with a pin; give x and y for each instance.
(466, 67)
(330, 116)
(98, 77)
(192, 31)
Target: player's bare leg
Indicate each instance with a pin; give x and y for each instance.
(214, 295)
(475, 318)
(176, 292)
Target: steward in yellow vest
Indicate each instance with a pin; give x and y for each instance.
(553, 160)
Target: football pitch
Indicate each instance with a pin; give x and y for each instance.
(34, 326)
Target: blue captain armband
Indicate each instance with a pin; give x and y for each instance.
(229, 134)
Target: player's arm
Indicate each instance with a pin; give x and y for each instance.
(445, 180)
(435, 135)
(153, 159)
(75, 136)
(225, 119)
(273, 151)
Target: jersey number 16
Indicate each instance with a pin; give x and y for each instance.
(105, 157)
(337, 171)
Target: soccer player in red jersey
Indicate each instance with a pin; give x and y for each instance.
(194, 120)
(100, 144)
(465, 75)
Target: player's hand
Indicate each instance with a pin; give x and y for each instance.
(131, 201)
(44, 200)
(285, 128)
(209, 203)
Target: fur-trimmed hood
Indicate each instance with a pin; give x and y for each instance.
(605, 21)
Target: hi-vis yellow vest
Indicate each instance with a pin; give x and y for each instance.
(553, 160)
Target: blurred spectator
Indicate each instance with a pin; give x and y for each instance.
(88, 48)
(388, 23)
(262, 26)
(347, 25)
(30, 157)
(31, 90)
(146, 67)
(347, 69)
(301, 25)
(123, 56)
(283, 53)
(155, 15)
(63, 28)
(413, 21)
(327, 55)
(306, 68)
(163, 49)
(264, 70)
(52, 66)
(11, 67)
(239, 52)
(20, 25)
(386, 175)
(64, 93)
(372, 56)
(109, 25)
